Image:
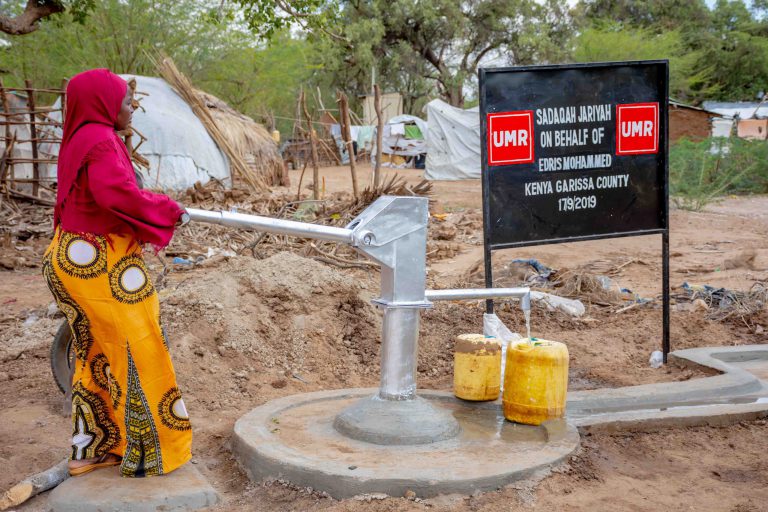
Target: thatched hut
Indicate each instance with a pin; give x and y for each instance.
(179, 148)
(250, 139)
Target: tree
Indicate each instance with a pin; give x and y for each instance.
(609, 42)
(718, 53)
(261, 80)
(19, 22)
(267, 17)
(658, 15)
(207, 43)
(117, 35)
(735, 47)
(441, 42)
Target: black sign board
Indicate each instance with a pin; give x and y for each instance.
(574, 152)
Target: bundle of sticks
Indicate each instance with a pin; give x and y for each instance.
(184, 88)
(196, 240)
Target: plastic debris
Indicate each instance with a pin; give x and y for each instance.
(720, 297)
(494, 327)
(606, 282)
(213, 251)
(182, 261)
(52, 310)
(542, 271)
(570, 307)
(31, 319)
(657, 359)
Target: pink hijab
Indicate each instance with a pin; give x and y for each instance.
(94, 99)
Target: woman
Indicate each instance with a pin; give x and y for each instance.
(126, 408)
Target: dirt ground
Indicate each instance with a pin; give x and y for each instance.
(246, 331)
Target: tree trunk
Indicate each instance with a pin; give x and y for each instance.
(346, 131)
(379, 135)
(454, 95)
(313, 149)
(27, 21)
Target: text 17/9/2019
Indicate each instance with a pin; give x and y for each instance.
(573, 203)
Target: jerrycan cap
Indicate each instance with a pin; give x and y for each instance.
(532, 344)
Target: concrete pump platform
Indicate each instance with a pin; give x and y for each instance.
(104, 490)
(294, 438)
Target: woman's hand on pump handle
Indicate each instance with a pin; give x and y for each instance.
(183, 218)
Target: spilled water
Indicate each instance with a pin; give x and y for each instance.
(527, 314)
(485, 424)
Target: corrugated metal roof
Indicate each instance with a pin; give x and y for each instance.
(680, 104)
(742, 109)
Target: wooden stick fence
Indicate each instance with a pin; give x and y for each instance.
(25, 112)
(30, 148)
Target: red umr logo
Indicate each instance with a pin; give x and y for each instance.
(637, 128)
(510, 137)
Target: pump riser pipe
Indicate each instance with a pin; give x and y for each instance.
(399, 353)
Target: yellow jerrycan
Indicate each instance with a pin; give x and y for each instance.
(476, 367)
(535, 381)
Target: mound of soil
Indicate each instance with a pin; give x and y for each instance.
(285, 317)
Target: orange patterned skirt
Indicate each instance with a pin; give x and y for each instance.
(124, 395)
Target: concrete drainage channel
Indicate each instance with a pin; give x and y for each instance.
(739, 393)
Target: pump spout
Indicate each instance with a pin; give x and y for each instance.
(522, 293)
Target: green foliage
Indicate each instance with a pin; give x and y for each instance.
(701, 171)
(268, 17)
(116, 35)
(612, 43)
(654, 14)
(78, 10)
(720, 53)
(735, 49)
(205, 39)
(433, 47)
(257, 54)
(421, 48)
(263, 81)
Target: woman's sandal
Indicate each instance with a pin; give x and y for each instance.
(106, 460)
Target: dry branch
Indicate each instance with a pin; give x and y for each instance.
(184, 88)
(346, 134)
(313, 148)
(34, 485)
(379, 135)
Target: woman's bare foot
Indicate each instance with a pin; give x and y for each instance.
(109, 457)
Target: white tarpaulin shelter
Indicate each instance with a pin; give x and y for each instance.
(453, 142)
(362, 135)
(395, 139)
(178, 147)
